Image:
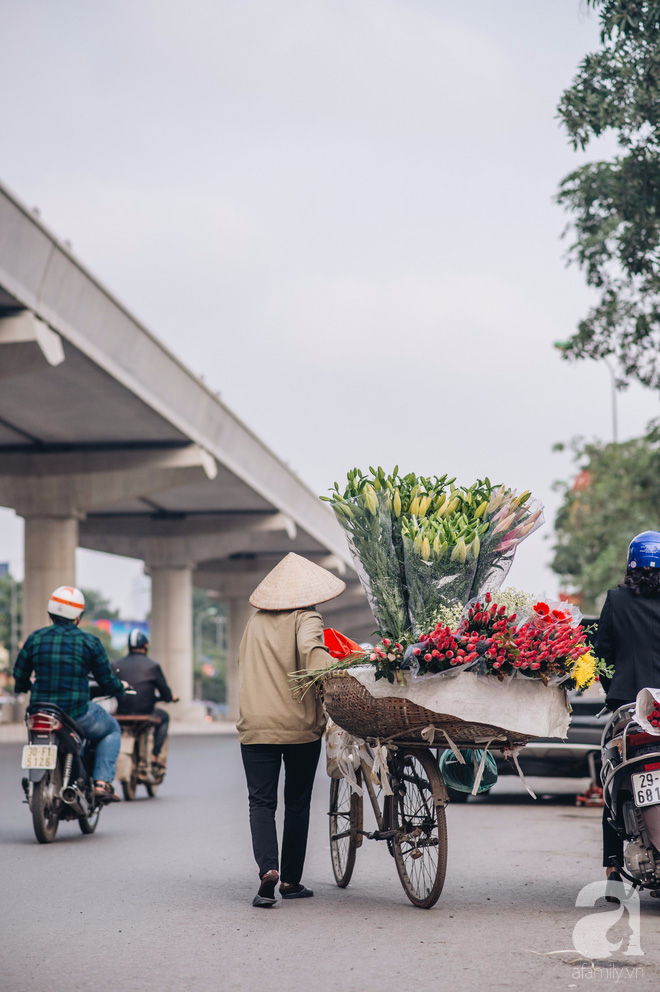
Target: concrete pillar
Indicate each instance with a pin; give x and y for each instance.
(50, 561)
(171, 632)
(239, 612)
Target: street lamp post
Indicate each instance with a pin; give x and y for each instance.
(615, 431)
(562, 346)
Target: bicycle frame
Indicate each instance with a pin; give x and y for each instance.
(410, 817)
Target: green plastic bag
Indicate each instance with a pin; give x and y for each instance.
(461, 777)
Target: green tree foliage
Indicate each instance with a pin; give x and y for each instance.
(5, 611)
(615, 496)
(97, 607)
(209, 632)
(615, 205)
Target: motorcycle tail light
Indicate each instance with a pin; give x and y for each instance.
(641, 740)
(43, 721)
(652, 766)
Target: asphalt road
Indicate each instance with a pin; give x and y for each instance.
(160, 898)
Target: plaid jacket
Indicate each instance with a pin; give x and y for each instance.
(62, 657)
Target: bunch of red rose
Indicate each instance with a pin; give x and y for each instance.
(439, 650)
(491, 633)
(654, 715)
(485, 632)
(545, 646)
(550, 649)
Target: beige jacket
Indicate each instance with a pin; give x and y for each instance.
(276, 643)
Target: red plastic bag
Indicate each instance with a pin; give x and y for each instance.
(338, 644)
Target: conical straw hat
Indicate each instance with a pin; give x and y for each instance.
(296, 582)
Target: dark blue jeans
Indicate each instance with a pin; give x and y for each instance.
(97, 725)
(262, 764)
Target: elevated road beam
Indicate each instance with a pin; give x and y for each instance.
(108, 440)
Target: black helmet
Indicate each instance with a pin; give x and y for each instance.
(137, 639)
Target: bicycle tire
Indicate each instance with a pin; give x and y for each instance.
(345, 816)
(420, 841)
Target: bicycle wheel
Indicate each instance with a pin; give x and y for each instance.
(420, 842)
(345, 822)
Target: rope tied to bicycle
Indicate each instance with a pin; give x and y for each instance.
(350, 751)
(428, 733)
(379, 766)
(513, 752)
(479, 769)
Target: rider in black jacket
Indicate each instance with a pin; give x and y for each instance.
(628, 639)
(146, 677)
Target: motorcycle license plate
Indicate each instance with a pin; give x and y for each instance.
(43, 756)
(646, 788)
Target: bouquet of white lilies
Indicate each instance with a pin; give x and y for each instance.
(422, 544)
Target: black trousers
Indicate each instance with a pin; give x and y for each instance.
(262, 763)
(160, 732)
(612, 842)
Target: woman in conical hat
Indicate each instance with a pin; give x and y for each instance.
(283, 636)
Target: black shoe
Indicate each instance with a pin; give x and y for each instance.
(265, 897)
(295, 891)
(264, 901)
(616, 880)
(104, 793)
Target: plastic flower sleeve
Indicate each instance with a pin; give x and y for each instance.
(434, 581)
(368, 524)
(511, 519)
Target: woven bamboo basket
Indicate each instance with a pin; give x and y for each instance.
(354, 709)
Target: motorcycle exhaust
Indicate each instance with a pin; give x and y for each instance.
(74, 798)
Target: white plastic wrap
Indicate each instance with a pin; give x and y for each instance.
(341, 749)
(519, 706)
(644, 704)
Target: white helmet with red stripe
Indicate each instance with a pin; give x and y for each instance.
(66, 601)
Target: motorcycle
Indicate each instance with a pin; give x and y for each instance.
(59, 784)
(60, 766)
(630, 777)
(135, 762)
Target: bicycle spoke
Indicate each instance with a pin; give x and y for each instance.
(420, 843)
(345, 821)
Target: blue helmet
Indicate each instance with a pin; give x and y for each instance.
(138, 639)
(644, 550)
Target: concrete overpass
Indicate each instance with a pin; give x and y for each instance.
(108, 442)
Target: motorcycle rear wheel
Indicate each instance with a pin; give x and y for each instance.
(46, 807)
(88, 824)
(129, 786)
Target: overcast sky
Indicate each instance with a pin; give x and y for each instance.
(341, 211)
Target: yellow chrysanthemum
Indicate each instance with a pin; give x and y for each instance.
(584, 670)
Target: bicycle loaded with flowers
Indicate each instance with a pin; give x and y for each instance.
(431, 557)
